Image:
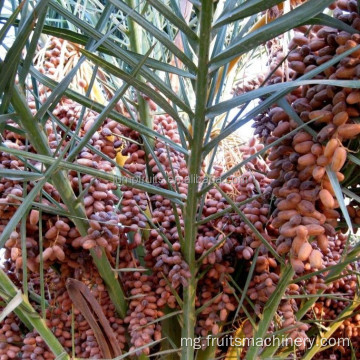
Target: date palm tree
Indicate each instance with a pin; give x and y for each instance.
(129, 57)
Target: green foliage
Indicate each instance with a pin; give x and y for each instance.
(211, 39)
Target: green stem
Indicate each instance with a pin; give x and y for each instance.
(62, 184)
(135, 39)
(24, 248)
(195, 159)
